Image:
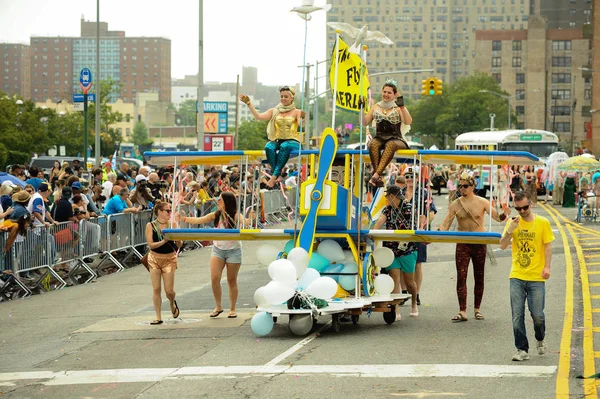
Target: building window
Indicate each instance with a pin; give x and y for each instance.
(560, 110)
(498, 77)
(516, 62)
(561, 61)
(496, 62)
(561, 94)
(520, 109)
(561, 78)
(520, 78)
(128, 132)
(496, 45)
(562, 126)
(587, 94)
(520, 94)
(561, 45)
(517, 45)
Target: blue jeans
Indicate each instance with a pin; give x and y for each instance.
(535, 294)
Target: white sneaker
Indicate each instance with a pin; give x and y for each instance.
(520, 356)
(541, 347)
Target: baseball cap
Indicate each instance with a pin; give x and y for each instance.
(43, 187)
(395, 191)
(76, 185)
(121, 177)
(139, 178)
(66, 191)
(9, 183)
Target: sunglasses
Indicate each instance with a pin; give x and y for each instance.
(284, 88)
(167, 210)
(465, 186)
(522, 208)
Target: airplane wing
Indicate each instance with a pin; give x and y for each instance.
(166, 158)
(345, 28)
(378, 36)
(378, 235)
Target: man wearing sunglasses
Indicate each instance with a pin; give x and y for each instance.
(469, 211)
(531, 237)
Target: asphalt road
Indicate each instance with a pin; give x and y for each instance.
(94, 341)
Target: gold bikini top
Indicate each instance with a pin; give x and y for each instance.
(286, 128)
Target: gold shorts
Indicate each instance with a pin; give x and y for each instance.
(166, 263)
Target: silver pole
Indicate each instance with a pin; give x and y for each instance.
(200, 102)
(97, 128)
(237, 114)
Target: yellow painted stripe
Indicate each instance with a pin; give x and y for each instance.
(597, 354)
(588, 256)
(589, 366)
(596, 272)
(564, 358)
(593, 264)
(595, 297)
(595, 310)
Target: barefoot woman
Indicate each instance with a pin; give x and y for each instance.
(282, 130)
(389, 115)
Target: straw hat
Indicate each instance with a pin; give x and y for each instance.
(21, 196)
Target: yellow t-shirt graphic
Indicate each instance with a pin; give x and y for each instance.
(528, 248)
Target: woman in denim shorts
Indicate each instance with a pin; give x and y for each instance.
(224, 253)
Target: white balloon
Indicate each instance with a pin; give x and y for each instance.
(383, 257)
(282, 270)
(259, 298)
(265, 254)
(348, 256)
(301, 324)
(331, 251)
(322, 288)
(307, 277)
(384, 284)
(277, 292)
(299, 257)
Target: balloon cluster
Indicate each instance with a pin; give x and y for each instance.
(294, 273)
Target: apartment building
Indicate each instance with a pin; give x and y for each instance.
(15, 78)
(140, 64)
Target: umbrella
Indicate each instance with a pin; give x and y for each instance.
(579, 164)
(6, 177)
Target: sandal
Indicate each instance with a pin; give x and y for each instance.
(176, 311)
(216, 313)
(479, 316)
(232, 315)
(156, 322)
(459, 317)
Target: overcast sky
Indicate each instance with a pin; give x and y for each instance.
(260, 33)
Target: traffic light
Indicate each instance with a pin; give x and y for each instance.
(424, 90)
(431, 85)
(438, 87)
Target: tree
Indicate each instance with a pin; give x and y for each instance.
(187, 113)
(252, 135)
(109, 134)
(140, 134)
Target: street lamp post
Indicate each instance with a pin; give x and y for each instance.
(501, 96)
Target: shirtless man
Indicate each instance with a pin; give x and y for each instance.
(469, 211)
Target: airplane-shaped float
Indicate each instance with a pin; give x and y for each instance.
(333, 210)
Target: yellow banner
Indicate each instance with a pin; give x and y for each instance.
(351, 69)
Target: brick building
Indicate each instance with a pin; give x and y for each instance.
(140, 64)
(15, 77)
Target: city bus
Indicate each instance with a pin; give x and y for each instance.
(537, 142)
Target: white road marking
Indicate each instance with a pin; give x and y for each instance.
(77, 377)
(297, 347)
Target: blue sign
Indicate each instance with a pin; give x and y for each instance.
(85, 77)
(78, 98)
(223, 123)
(215, 106)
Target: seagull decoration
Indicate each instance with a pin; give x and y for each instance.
(360, 35)
(308, 7)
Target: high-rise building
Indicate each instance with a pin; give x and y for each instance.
(139, 64)
(15, 77)
(565, 14)
(439, 34)
(540, 69)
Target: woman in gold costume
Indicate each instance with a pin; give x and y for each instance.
(389, 115)
(282, 130)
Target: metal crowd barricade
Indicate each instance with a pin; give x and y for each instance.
(140, 220)
(11, 285)
(64, 250)
(120, 232)
(34, 251)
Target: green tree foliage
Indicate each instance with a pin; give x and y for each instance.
(109, 134)
(140, 134)
(187, 113)
(252, 135)
(462, 108)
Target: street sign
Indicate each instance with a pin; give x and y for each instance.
(85, 78)
(215, 106)
(78, 98)
(531, 137)
(78, 106)
(222, 123)
(211, 123)
(218, 144)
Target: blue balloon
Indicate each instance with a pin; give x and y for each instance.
(317, 262)
(288, 246)
(262, 323)
(333, 268)
(349, 282)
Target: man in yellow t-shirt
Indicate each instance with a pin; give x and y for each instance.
(531, 237)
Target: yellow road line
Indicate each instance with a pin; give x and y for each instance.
(564, 357)
(597, 272)
(589, 366)
(593, 264)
